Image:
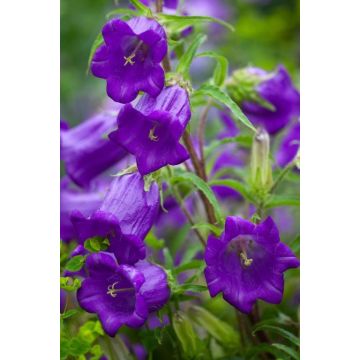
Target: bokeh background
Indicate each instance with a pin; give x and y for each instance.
(266, 34)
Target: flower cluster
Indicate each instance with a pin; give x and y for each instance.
(168, 178)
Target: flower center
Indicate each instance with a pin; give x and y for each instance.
(246, 261)
(112, 291)
(129, 59)
(239, 245)
(152, 135)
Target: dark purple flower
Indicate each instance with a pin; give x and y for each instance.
(278, 90)
(124, 218)
(86, 150)
(130, 58)
(152, 129)
(122, 294)
(289, 146)
(247, 263)
(85, 200)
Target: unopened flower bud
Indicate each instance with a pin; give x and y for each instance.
(242, 86)
(260, 167)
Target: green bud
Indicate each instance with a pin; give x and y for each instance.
(217, 328)
(260, 165)
(242, 87)
(186, 334)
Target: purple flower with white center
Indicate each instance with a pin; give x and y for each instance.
(122, 294)
(151, 130)
(85, 200)
(247, 263)
(130, 58)
(125, 217)
(278, 90)
(289, 146)
(86, 150)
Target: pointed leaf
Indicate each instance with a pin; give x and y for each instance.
(221, 68)
(188, 56)
(219, 95)
(203, 187)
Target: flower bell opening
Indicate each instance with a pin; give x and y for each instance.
(239, 245)
(130, 59)
(112, 291)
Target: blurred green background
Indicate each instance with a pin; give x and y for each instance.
(267, 33)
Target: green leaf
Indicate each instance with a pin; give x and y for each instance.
(189, 287)
(235, 185)
(144, 10)
(221, 68)
(201, 185)
(191, 265)
(96, 244)
(219, 329)
(75, 263)
(217, 231)
(186, 334)
(278, 330)
(153, 242)
(191, 251)
(287, 350)
(176, 23)
(179, 238)
(169, 262)
(282, 200)
(69, 313)
(219, 95)
(97, 42)
(122, 12)
(241, 140)
(252, 353)
(188, 56)
(69, 284)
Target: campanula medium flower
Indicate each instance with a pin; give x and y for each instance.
(152, 129)
(86, 150)
(247, 263)
(277, 89)
(130, 58)
(122, 294)
(289, 146)
(125, 217)
(85, 200)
